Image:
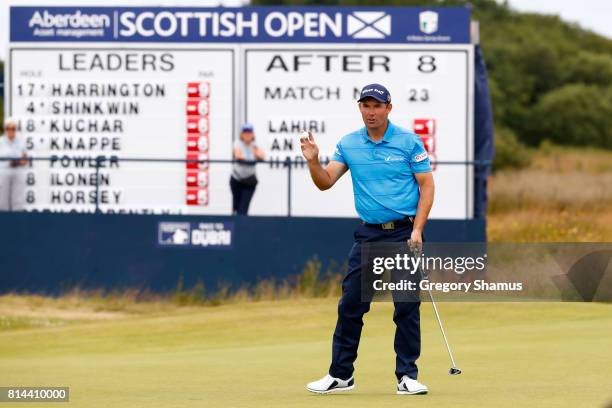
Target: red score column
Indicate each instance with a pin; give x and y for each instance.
(426, 129)
(198, 142)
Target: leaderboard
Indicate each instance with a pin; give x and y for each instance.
(74, 104)
(176, 83)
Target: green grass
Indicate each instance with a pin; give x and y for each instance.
(261, 354)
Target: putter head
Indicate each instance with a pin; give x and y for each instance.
(454, 371)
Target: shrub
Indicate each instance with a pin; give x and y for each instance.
(509, 151)
(589, 68)
(575, 114)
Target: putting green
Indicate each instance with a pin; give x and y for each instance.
(263, 354)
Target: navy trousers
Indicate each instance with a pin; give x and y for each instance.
(241, 196)
(351, 309)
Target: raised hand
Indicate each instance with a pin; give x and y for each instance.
(310, 150)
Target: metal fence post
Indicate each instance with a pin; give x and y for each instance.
(98, 161)
(288, 163)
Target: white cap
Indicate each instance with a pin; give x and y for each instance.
(9, 121)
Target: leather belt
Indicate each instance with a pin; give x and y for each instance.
(391, 225)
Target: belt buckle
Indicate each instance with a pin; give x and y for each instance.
(388, 225)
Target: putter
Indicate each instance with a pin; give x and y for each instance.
(454, 369)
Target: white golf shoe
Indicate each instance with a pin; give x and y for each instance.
(329, 384)
(408, 386)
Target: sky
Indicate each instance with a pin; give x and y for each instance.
(594, 15)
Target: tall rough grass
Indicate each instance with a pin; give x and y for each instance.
(540, 190)
(564, 195)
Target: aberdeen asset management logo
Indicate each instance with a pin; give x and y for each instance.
(428, 22)
(369, 24)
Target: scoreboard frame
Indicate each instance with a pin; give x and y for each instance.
(448, 32)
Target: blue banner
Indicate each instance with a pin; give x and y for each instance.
(398, 25)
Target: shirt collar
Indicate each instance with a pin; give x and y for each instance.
(386, 137)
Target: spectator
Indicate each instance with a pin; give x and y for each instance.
(244, 180)
(11, 171)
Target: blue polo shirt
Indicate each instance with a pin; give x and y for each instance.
(384, 185)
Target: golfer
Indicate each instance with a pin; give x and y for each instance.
(393, 189)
